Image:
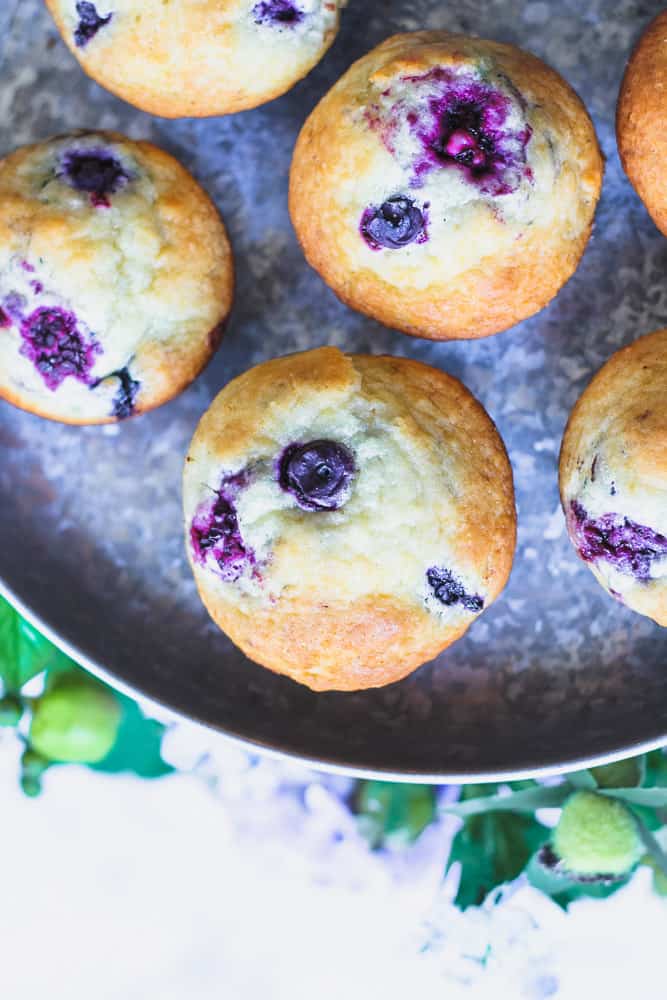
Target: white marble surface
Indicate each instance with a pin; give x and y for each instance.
(246, 879)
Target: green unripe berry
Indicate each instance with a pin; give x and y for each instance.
(75, 722)
(11, 710)
(622, 774)
(597, 835)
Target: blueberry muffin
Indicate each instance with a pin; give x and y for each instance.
(613, 476)
(116, 277)
(347, 517)
(197, 57)
(446, 185)
(641, 120)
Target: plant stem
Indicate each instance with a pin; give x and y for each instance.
(653, 848)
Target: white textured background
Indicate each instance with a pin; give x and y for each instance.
(247, 880)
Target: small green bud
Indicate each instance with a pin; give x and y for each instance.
(75, 722)
(33, 764)
(597, 836)
(31, 786)
(11, 710)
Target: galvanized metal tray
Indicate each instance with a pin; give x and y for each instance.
(556, 674)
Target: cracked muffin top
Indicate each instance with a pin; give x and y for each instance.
(446, 185)
(116, 276)
(209, 57)
(347, 517)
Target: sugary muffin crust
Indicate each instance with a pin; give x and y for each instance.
(116, 276)
(446, 185)
(613, 476)
(641, 120)
(347, 517)
(210, 57)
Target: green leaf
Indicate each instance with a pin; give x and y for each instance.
(24, 653)
(525, 801)
(622, 774)
(394, 814)
(492, 848)
(11, 710)
(137, 746)
(582, 780)
(563, 889)
(656, 849)
(653, 798)
(649, 817)
(659, 882)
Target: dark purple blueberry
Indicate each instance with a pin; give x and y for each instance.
(95, 171)
(4, 319)
(318, 474)
(215, 531)
(395, 224)
(450, 591)
(57, 348)
(89, 24)
(125, 399)
(277, 12)
(630, 547)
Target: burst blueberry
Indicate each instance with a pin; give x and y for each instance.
(629, 547)
(450, 591)
(463, 139)
(94, 171)
(277, 12)
(125, 399)
(462, 122)
(56, 346)
(319, 474)
(472, 132)
(89, 24)
(395, 224)
(215, 533)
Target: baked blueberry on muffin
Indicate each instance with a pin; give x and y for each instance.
(208, 57)
(116, 276)
(347, 517)
(613, 476)
(641, 120)
(446, 185)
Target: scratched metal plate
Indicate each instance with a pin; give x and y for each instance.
(555, 674)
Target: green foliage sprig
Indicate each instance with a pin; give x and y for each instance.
(611, 820)
(76, 718)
